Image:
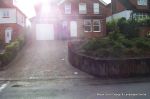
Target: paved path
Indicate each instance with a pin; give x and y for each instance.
(42, 60)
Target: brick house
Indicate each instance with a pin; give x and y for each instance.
(137, 9)
(130, 9)
(12, 21)
(70, 19)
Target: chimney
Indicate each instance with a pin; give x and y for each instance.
(9, 2)
(113, 6)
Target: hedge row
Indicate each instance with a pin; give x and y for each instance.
(129, 28)
(11, 51)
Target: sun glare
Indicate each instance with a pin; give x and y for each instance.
(27, 6)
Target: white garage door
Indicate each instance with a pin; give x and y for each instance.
(44, 32)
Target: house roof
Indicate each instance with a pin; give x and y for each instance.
(62, 1)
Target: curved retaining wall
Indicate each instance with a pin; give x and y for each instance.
(109, 67)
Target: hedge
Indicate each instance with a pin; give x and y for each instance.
(11, 51)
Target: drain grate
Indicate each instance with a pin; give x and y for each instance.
(21, 84)
(18, 86)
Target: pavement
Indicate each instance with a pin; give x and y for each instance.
(42, 71)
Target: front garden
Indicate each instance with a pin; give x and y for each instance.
(123, 41)
(123, 53)
(11, 50)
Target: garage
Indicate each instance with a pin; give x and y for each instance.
(45, 32)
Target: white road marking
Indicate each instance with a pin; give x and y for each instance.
(3, 86)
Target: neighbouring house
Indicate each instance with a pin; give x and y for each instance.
(70, 19)
(137, 9)
(12, 21)
(130, 9)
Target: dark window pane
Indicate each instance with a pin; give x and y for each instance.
(96, 28)
(87, 22)
(87, 28)
(96, 23)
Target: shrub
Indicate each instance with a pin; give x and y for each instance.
(116, 36)
(102, 52)
(12, 47)
(91, 45)
(127, 43)
(111, 26)
(122, 22)
(21, 42)
(116, 45)
(129, 28)
(10, 52)
(144, 22)
(142, 43)
(132, 52)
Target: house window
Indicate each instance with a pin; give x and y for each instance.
(6, 14)
(96, 26)
(96, 8)
(22, 19)
(68, 8)
(142, 2)
(141, 15)
(87, 26)
(82, 8)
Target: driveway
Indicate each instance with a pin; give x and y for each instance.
(42, 60)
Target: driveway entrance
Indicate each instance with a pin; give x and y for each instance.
(42, 60)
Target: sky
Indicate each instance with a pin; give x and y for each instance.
(27, 6)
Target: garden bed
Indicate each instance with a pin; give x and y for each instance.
(10, 52)
(108, 67)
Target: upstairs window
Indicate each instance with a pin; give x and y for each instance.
(142, 2)
(6, 14)
(96, 26)
(96, 8)
(87, 26)
(68, 8)
(82, 8)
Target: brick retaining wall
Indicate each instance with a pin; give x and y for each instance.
(109, 67)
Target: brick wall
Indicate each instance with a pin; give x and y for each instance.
(75, 7)
(108, 68)
(134, 2)
(17, 29)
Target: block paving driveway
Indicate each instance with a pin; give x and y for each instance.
(42, 60)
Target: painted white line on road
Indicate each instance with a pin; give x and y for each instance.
(3, 86)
